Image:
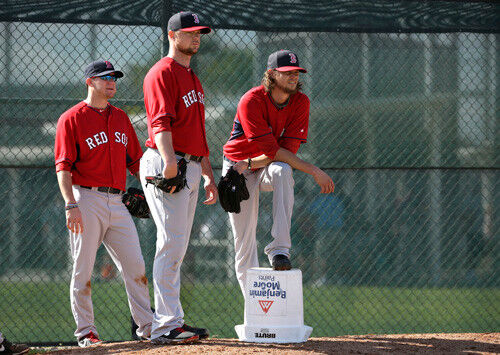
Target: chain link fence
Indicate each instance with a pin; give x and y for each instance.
(407, 124)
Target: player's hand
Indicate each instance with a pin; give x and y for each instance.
(211, 192)
(170, 171)
(324, 181)
(74, 220)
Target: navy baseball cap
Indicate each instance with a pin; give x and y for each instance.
(101, 68)
(284, 60)
(186, 21)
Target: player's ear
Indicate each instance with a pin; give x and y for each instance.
(171, 34)
(89, 82)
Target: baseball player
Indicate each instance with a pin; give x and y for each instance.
(6, 347)
(174, 101)
(271, 123)
(95, 145)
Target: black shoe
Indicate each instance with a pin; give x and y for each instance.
(134, 327)
(281, 262)
(177, 336)
(6, 347)
(201, 332)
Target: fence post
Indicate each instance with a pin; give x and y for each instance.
(8, 53)
(369, 131)
(166, 12)
(15, 219)
(434, 130)
(92, 43)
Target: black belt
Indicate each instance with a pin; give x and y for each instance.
(189, 156)
(110, 190)
(229, 160)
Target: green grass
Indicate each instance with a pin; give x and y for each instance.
(40, 312)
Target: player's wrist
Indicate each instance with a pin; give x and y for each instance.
(70, 206)
(315, 171)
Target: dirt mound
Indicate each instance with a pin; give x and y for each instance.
(471, 343)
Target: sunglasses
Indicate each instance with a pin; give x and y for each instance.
(107, 78)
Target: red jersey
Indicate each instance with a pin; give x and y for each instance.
(174, 101)
(96, 147)
(262, 127)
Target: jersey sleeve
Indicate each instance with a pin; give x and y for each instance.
(296, 129)
(255, 126)
(65, 151)
(134, 150)
(159, 89)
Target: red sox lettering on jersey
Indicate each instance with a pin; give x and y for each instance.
(191, 97)
(101, 138)
(96, 146)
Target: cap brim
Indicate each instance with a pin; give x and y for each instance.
(116, 73)
(290, 68)
(202, 29)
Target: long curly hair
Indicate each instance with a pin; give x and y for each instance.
(268, 81)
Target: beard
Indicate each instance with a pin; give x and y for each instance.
(287, 89)
(188, 51)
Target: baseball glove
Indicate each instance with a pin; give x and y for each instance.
(232, 190)
(135, 201)
(179, 181)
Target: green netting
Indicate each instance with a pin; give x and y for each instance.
(407, 124)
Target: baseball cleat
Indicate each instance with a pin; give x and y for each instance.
(89, 340)
(281, 262)
(6, 347)
(201, 332)
(177, 336)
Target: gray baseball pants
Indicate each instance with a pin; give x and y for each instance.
(278, 178)
(173, 215)
(106, 220)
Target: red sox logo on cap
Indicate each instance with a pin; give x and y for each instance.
(293, 58)
(196, 19)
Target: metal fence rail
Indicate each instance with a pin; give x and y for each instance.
(406, 124)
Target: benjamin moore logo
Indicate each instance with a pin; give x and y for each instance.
(265, 305)
(267, 289)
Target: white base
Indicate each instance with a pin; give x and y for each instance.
(274, 334)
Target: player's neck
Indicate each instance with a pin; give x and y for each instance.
(279, 97)
(179, 57)
(99, 103)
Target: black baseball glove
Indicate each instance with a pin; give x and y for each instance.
(232, 190)
(179, 181)
(135, 201)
